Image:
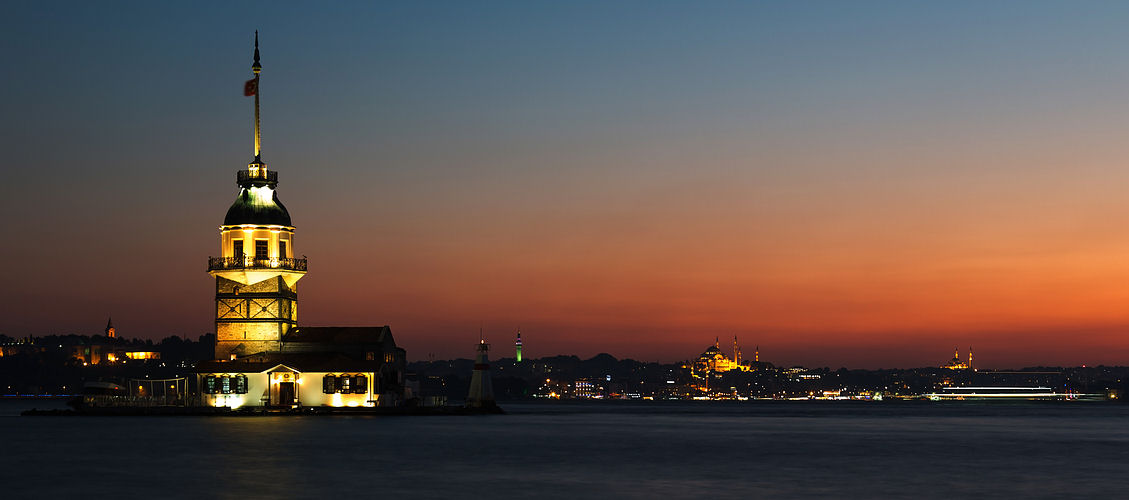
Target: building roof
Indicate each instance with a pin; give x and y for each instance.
(303, 362)
(257, 205)
(340, 334)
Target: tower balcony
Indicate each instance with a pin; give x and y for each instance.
(252, 263)
(257, 177)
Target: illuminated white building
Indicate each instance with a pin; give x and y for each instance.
(318, 366)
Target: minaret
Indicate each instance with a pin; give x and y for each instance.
(517, 346)
(969, 357)
(481, 393)
(256, 272)
(757, 354)
(736, 351)
(110, 328)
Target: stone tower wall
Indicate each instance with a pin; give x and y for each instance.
(253, 318)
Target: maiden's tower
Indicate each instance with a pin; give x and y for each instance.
(262, 356)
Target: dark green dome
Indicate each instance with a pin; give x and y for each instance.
(259, 206)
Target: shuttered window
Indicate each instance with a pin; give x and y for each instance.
(344, 384)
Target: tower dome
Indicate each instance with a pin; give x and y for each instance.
(258, 205)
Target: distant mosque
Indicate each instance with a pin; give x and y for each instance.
(713, 360)
(262, 356)
(956, 363)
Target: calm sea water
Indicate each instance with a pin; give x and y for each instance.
(638, 450)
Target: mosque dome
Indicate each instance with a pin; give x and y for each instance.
(710, 352)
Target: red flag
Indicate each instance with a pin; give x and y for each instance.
(251, 87)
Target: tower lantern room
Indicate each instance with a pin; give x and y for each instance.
(256, 272)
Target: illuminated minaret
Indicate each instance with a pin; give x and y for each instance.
(256, 272)
(757, 354)
(969, 357)
(110, 328)
(481, 393)
(517, 346)
(736, 351)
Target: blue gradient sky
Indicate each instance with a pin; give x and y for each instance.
(844, 183)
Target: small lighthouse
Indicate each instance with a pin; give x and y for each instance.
(481, 393)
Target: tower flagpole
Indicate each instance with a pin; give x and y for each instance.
(257, 68)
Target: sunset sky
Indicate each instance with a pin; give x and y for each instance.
(859, 184)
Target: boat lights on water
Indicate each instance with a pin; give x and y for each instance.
(961, 393)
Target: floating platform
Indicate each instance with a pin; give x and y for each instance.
(207, 411)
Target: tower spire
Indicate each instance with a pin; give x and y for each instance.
(257, 68)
